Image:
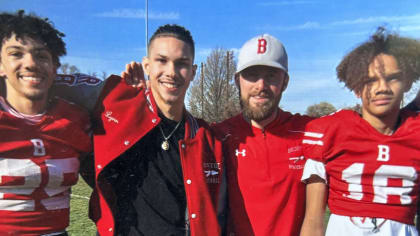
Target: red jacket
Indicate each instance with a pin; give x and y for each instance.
(123, 116)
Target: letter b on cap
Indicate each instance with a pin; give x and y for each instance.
(262, 46)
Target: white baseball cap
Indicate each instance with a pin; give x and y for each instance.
(263, 50)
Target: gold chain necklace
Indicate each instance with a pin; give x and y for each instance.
(165, 143)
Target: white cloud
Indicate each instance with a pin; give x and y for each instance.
(139, 13)
(305, 26)
(309, 25)
(410, 28)
(405, 23)
(379, 19)
(365, 33)
(284, 3)
(204, 51)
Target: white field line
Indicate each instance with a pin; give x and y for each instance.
(79, 196)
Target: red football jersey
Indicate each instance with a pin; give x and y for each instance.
(369, 174)
(264, 167)
(38, 165)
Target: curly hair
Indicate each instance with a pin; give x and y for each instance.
(176, 31)
(29, 25)
(354, 68)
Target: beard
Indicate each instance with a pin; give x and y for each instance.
(262, 111)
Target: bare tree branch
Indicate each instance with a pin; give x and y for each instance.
(214, 96)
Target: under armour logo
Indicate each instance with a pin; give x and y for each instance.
(211, 172)
(262, 46)
(243, 152)
(110, 118)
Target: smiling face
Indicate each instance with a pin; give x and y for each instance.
(382, 94)
(170, 69)
(261, 88)
(28, 69)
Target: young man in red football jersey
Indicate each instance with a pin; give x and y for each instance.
(367, 165)
(41, 137)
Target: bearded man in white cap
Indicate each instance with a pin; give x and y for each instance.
(264, 165)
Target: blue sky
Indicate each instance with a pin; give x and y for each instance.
(104, 35)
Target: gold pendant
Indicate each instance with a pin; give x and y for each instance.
(165, 145)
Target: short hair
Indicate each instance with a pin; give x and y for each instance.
(353, 70)
(29, 25)
(176, 31)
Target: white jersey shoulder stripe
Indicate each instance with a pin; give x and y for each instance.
(313, 142)
(314, 135)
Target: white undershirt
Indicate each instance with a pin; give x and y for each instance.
(31, 119)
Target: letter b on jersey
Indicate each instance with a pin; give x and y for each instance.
(383, 153)
(39, 149)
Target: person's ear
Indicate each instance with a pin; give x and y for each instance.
(146, 65)
(285, 82)
(2, 72)
(237, 79)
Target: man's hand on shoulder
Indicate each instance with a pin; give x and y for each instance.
(134, 75)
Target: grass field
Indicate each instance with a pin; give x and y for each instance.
(80, 224)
